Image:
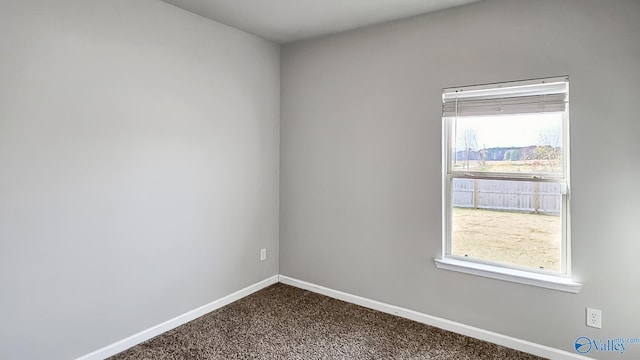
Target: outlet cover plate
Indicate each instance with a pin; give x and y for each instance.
(594, 318)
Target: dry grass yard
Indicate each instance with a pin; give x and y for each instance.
(517, 238)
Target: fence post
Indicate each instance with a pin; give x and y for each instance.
(536, 197)
(475, 193)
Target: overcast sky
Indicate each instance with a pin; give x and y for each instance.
(510, 130)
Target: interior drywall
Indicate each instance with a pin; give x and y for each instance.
(360, 176)
(139, 150)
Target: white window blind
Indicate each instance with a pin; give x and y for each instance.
(532, 96)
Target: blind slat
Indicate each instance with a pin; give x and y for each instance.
(503, 100)
(512, 105)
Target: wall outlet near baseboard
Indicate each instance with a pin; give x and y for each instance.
(263, 254)
(594, 318)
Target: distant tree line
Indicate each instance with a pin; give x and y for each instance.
(545, 152)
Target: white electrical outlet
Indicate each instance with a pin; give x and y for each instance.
(263, 254)
(594, 318)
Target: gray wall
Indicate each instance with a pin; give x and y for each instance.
(360, 189)
(138, 169)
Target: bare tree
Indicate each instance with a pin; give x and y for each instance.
(549, 149)
(470, 143)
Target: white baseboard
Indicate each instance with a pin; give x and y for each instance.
(147, 334)
(499, 339)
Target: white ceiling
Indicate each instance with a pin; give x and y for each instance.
(284, 21)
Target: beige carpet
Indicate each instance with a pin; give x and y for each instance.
(284, 322)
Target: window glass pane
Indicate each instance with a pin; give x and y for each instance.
(512, 222)
(522, 143)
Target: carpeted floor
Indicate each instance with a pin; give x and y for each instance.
(284, 322)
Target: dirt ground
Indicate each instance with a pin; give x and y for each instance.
(516, 238)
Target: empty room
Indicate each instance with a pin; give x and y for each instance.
(329, 179)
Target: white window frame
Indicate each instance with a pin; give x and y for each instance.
(537, 277)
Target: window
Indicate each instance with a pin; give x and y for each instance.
(506, 181)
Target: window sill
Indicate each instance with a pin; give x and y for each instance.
(512, 275)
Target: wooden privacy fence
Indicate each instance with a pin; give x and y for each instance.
(524, 196)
